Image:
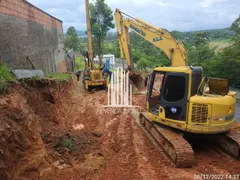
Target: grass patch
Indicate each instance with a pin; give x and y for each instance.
(96, 65)
(219, 45)
(64, 143)
(69, 144)
(6, 76)
(58, 76)
(80, 64)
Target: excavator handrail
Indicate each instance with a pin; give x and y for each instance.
(160, 38)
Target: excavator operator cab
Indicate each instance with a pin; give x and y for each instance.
(169, 90)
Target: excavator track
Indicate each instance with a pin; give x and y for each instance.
(229, 142)
(172, 142)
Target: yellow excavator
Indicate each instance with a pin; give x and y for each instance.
(92, 76)
(180, 102)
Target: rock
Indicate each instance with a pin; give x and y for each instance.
(97, 133)
(66, 149)
(69, 161)
(61, 161)
(25, 73)
(56, 163)
(44, 170)
(62, 150)
(98, 153)
(145, 159)
(60, 166)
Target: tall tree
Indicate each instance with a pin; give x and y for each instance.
(200, 39)
(72, 40)
(236, 25)
(227, 65)
(101, 23)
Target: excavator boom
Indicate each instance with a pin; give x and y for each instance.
(89, 34)
(160, 38)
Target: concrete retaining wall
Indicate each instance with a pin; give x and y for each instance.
(26, 31)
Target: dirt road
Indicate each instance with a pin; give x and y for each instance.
(126, 152)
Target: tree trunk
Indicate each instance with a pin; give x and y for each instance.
(0, 56)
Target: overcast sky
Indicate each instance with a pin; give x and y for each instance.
(182, 15)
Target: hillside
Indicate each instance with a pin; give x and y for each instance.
(218, 38)
(81, 33)
(219, 45)
(213, 34)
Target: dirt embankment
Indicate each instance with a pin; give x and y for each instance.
(21, 146)
(34, 139)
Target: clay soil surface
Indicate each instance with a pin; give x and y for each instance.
(126, 151)
(94, 142)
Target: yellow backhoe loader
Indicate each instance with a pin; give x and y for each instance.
(180, 102)
(92, 76)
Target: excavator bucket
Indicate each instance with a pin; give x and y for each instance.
(137, 80)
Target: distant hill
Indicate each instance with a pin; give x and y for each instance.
(81, 33)
(213, 34)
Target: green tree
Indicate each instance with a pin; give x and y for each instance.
(112, 48)
(142, 48)
(142, 64)
(177, 34)
(200, 54)
(227, 63)
(200, 38)
(101, 23)
(197, 56)
(72, 40)
(236, 25)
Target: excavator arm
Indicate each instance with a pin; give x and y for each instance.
(160, 38)
(89, 34)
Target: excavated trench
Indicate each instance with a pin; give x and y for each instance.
(56, 130)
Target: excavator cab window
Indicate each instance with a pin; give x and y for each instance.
(174, 97)
(174, 88)
(155, 91)
(168, 92)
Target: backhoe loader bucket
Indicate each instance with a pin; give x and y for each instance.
(137, 80)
